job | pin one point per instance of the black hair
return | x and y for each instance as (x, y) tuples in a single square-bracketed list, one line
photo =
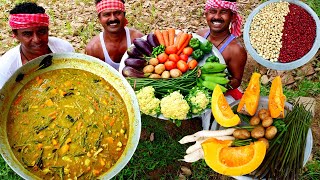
[(27, 8), (97, 1), (231, 0)]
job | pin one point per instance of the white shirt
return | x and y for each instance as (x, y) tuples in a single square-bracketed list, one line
[(11, 60)]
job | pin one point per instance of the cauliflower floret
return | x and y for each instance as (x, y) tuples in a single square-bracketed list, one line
[(174, 106), (198, 100), (148, 103)]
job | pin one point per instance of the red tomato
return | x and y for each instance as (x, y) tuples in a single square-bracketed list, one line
[(171, 49), (163, 57), (192, 64), (170, 65), (187, 51), (182, 66), (174, 57), (184, 57)]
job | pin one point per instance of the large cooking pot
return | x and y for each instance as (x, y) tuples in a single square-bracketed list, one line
[(60, 61)]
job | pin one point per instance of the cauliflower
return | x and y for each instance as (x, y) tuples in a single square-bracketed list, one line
[(198, 99), (174, 106), (148, 103)]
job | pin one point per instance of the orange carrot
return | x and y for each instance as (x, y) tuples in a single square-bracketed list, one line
[(165, 37), (172, 33), (183, 38), (185, 44), (178, 38), (159, 36)]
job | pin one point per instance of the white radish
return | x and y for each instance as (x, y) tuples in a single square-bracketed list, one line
[(206, 133), (194, 156)]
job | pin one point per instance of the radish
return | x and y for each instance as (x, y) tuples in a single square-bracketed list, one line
[(206, 133)]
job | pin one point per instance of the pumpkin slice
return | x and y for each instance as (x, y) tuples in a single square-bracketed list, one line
[(233, 161), (221, 110), (277, 99), (250, 100)]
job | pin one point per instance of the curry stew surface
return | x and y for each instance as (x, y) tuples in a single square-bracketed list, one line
[(68, 124)]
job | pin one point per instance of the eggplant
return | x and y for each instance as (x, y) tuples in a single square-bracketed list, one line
[(128, 71), (133, 52), (153, 40), (143, 46), (135, 62)]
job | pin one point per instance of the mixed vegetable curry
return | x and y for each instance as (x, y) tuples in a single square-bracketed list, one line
[(68, 123)]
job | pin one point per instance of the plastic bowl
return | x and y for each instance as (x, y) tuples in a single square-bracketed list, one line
[(277, 65)]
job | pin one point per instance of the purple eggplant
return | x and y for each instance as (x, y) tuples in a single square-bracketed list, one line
[(135, 62), (128, 71), (143, 46), (133, 52), (153, 40)]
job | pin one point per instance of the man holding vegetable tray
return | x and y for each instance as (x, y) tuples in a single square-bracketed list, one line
[(112, 43)]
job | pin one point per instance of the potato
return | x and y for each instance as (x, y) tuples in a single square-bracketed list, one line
[(159, 69), (241, 134), (265, 141), (148, 69), (154, 76), (271, 132), (165, 74), (263, 113), (255, 120), (258, 132), (175, 73), (267, 121), (154, 61)]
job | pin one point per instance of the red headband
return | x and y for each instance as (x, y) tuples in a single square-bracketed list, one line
[(236, 22), (22, 21), (110, 4)]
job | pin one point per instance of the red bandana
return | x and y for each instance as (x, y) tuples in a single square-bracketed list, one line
[(236, 22), (22, 21), (110, 4)]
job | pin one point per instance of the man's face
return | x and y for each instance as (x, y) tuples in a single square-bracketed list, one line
[(112, 20), (219, 19), (34, 40)]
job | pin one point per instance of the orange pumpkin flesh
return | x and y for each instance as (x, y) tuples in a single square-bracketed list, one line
[(233, 161), (221, 110), (277, 99), (250, 99)]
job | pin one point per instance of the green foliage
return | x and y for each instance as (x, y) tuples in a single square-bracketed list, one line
[(315, 5), (312, 170), (6, 172)]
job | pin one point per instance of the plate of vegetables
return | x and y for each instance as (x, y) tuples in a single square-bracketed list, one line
[(163, 68)]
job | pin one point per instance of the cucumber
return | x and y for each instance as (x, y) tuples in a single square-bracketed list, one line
[(211, 85), (215, 79), (212, 67)]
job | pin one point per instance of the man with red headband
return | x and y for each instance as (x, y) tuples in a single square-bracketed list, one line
[(112, 43), (29, 25)]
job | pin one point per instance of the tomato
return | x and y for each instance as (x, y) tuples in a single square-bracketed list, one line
[(171, 49), (192, 64), (182, 66), (174, 57), (163, 57), (187, 51), (184, 57), (170, 65)]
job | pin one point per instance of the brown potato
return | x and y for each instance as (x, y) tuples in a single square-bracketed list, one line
[(154, 61), (255, 120), (257, 132), (271, 132), (265, 141), (148, 69), (154, 76), (241, 134), (165, 74), (159, 69), (263, 113), (267, 121)]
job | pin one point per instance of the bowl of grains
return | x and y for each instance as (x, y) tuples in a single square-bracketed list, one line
[(282, 34)]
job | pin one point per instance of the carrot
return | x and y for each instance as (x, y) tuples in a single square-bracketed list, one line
[(185, 44), (178, 38), (172, 33), (165, 37), (159, 36), (182, 39)]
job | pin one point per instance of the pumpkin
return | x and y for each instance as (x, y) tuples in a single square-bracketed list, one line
[(276, 99), (233, 161), (250, 100), (221, 110)]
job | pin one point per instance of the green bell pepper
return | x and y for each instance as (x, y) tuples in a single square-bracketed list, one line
[(194, 43), (212, 58), (206, 46), (197, 54)]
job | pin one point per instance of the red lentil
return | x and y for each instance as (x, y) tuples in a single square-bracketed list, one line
[(298, 34)]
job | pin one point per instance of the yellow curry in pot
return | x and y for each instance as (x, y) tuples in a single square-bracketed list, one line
[(68, 124)]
